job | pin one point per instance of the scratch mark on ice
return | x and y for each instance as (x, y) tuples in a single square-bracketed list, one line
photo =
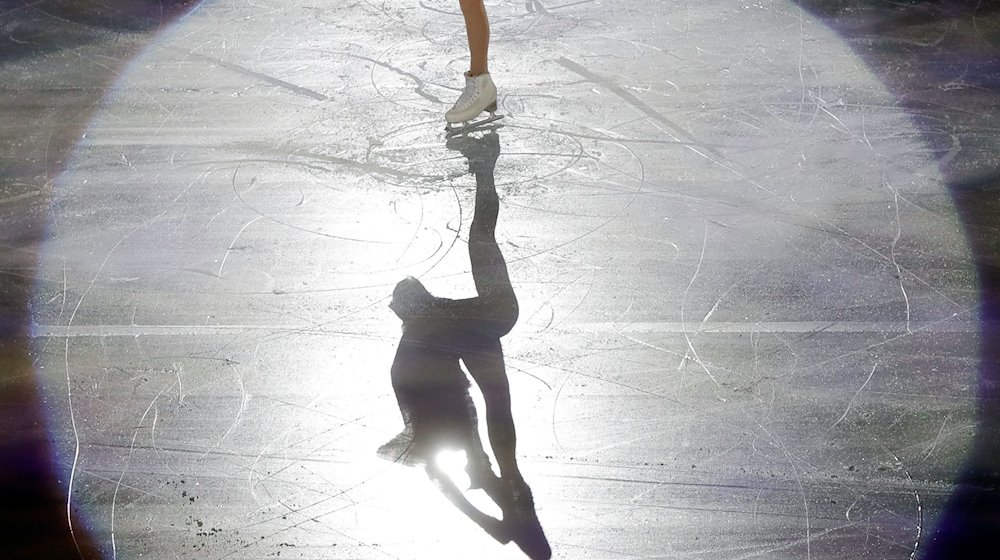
[(128, 461), (937, 439), (851, 402), (233, 243), (892, 251), (69, 391), (692, 353)]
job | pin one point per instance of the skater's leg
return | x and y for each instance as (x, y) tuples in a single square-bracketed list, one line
[(477, 29), (480, 93)]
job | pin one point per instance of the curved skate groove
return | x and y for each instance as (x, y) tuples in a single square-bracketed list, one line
[(624, 141), (565, 380), (573, 158), (176, 369), (916, 495), (387, 14), (433, 254), (423, 4), (635, 195), (690, 344), (407, 180), (253, 476), (454, 238), (417, 228), (76, 450), (942, 435), (583, 298), (714, 155), (128, 462), (892, 249), (66, 353), (437, 250), (244, 398), (525, 372), (233, 244), (573, 372), (327, 497), (270, 217), (548, 306), (791, 459), (854, 398), (890, 259)]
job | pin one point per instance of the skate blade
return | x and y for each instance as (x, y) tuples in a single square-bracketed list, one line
[(451, 131)]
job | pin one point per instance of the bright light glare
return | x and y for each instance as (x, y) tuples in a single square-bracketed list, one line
[(452, 464)]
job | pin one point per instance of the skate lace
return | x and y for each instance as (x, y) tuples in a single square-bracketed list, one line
[(468, 94)]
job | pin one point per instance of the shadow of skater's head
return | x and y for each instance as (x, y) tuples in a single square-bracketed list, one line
[(410, 298), (481, 151)]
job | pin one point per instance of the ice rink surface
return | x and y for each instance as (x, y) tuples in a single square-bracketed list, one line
[(754, 245)]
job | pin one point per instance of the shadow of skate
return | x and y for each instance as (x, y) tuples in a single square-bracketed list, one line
[(431, 388), (520, 527)]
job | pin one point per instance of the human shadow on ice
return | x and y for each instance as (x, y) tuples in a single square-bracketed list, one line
[(432, 390)]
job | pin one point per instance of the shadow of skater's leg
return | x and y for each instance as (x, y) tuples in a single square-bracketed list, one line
[(494, 311), (486, 366), (493, 526), (478, 462), (489, 269)]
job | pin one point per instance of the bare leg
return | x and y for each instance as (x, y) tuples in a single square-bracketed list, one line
[(477, 29)]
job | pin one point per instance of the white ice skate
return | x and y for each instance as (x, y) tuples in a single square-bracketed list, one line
[(479, 95)]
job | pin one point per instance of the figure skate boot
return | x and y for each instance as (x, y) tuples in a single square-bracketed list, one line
[(480, 94)]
